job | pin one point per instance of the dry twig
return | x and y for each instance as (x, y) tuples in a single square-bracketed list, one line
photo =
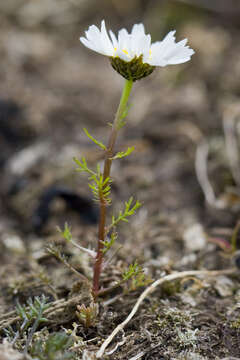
[(202, 174), (231, 142), (52, 312), (148, 291)]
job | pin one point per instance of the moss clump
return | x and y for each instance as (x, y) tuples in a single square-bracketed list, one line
[(170, 288)]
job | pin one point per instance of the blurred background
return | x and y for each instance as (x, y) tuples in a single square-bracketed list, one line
[(51, 86), (183, 122)]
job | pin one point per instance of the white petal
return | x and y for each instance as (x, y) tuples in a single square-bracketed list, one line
[(168, 52), (106, 42), (93, 33), (123, 39), (93, 36), (140, 42), (166, 43), (179, 53), (146, 44), (170, 35), (124, 45), (122, 55), (137, 43), (98, 40), (138, 29), (88, 44), (114, 39)]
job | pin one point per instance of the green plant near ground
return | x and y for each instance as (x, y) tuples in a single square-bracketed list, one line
[(31, 316), (133, 57), (53, 347), (100, 183), (87, 315), (56, 347)]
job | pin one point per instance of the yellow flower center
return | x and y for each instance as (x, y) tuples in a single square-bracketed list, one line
[(150, 53)]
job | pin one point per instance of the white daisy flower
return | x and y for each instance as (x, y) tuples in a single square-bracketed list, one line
[(132, 54)]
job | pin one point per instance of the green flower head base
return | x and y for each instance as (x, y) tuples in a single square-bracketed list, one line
[(132, 70), (131, 54)]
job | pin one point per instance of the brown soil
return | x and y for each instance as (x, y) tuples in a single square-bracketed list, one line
[(51, 87)]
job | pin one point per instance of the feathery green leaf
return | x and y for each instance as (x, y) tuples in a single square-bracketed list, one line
[(101, 145), (122, 154)]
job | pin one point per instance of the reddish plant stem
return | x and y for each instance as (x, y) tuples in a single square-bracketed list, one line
[(106, 174)]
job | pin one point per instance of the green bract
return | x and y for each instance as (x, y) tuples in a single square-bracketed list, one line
[(132, 70)]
